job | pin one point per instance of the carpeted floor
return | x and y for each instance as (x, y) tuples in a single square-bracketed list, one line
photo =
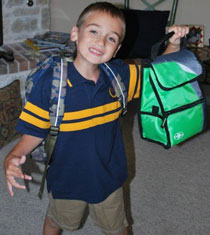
[(167, 193)]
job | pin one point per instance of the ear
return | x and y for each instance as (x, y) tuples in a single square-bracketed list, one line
[(118, 48), (74, 33)]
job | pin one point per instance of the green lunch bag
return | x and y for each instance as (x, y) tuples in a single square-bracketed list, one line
[(172, 106)]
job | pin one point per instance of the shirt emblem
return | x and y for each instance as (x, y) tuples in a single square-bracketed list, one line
[(112, 92)]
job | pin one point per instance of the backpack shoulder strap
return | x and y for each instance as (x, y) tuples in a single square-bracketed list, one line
[(57, 107), (117, 84), (58, 91), (37, 73)]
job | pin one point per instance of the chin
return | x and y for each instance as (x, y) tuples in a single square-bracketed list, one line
[(96, 61)]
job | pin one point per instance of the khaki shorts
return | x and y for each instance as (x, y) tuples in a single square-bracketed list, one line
[(108, 215)]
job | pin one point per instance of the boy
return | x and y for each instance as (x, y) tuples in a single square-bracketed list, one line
[(89, 163)]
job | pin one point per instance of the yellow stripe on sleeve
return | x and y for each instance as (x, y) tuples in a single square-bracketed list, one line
[(89, 123), (139, 83), (34, 121), (36, 110), (133, 79), (92, 111)]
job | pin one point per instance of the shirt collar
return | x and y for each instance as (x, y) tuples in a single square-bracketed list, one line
[(76, 78)]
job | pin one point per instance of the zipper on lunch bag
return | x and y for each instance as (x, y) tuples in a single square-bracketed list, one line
[(184, 107)]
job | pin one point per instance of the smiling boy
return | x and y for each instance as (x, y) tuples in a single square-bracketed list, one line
[(89, 162)]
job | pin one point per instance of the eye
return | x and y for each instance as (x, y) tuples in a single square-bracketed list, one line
[(113, 39), (92, 31)]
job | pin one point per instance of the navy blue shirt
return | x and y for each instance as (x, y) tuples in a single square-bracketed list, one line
[(89, 161)]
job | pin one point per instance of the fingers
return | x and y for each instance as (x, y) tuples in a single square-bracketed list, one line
[(180, 30), (13, 171), (11, 182), (14, 183), (9, 186), (27, 177)]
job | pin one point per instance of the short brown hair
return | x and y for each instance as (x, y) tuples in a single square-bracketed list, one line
[(106, 7)]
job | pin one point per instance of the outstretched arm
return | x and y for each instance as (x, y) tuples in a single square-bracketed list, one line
[(17, 157), (174, 41)]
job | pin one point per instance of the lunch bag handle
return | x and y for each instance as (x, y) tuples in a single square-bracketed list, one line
[(156, 47)]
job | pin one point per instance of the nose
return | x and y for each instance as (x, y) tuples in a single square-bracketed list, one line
[(101, 41)]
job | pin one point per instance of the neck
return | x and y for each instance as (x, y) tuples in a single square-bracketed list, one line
[(88, 71)]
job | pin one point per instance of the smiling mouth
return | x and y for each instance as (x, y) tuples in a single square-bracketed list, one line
[(95, 51)]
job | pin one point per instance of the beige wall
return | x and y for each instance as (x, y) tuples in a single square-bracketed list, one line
[(64, 13)]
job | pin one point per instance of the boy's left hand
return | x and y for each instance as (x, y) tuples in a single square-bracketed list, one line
[(180, 31)]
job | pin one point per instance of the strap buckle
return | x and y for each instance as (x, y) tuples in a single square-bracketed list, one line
[(54, 130)]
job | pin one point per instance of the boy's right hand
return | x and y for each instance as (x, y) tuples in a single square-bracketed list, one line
[(12, 171), (15, 158)]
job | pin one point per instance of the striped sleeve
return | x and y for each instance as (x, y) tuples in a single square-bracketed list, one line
[(134, 81), (36, 116), (34, 119)]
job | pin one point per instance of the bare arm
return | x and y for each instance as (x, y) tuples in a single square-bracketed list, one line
[(15, 158), (174, 41)]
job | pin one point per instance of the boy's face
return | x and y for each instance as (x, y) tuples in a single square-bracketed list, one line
[(98, 38)]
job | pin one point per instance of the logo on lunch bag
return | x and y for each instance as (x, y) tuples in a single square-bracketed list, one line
[(179, 135)]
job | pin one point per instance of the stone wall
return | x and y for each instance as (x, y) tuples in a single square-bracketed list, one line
[(21, 21)]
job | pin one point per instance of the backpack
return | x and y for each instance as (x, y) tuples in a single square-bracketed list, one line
[(172, 106), (59, 64)]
